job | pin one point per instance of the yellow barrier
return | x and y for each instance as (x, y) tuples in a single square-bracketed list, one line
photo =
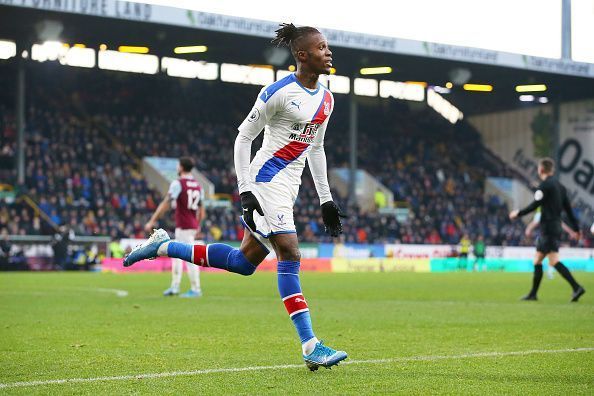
[(380, 265)]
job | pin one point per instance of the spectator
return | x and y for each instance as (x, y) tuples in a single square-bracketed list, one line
[(60, 245)]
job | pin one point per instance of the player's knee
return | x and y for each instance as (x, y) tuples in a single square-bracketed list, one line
[(254, 253), (240, 263), (247, 271)]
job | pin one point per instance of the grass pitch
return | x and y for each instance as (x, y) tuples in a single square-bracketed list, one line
[(455, 333)]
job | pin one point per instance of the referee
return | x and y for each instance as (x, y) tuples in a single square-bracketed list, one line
[(551, 196)]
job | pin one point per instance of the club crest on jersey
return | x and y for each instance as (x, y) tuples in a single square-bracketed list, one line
[(254, 115), (281, 219)]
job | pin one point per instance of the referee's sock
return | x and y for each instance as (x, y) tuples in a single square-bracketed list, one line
[(562, 269), (536, 279)]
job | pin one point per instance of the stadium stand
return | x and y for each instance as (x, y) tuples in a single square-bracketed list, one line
[(87, 130)]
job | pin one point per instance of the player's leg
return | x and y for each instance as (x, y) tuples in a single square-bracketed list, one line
[(241, 261), (463, 262), (536, 277), (550, 271), (315, 353), (193, 270), (578, 290), (177, 268), (217, 255)]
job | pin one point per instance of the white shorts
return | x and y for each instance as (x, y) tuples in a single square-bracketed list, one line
[(277, 203), (186, 236)]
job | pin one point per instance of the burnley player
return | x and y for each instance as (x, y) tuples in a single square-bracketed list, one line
[(294, 114), (186, 196), (551, 196)]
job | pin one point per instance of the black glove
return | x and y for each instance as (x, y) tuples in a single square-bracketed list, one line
[(331, 215), (249, 203)]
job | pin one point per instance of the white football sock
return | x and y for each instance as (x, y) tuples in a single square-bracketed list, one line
[(177, 269), (162, 251), (550, 271), (309, 345), (194, 275)]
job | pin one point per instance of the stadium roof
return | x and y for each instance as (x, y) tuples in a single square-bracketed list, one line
[(448, 63)]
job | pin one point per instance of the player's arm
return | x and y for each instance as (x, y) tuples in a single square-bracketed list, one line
[(264, 109), (161, 210), (538, 197), (316, 160), (533, 224), (175, 189), (201, 213), (573, 223), (567, 229)]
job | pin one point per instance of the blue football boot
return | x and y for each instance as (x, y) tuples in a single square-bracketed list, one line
[(323, 356), (191, 294), (171, 292), (147, 250)]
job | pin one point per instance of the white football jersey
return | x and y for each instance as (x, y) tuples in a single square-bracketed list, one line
[(294, 119)]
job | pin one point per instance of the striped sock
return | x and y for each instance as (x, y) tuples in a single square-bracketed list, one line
[(219, 255), (290, 291), (216, 255)]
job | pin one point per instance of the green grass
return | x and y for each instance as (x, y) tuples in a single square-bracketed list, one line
[(60, 325)]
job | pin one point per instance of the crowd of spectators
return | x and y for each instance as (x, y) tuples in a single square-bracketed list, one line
[(7, 145), (85, 130)]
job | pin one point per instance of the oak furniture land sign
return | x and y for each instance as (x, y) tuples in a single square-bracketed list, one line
[(576, 157), (129, 10), (521, 137)]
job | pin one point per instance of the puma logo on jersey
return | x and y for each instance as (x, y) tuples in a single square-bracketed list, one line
[(297, 300), (296, 104)]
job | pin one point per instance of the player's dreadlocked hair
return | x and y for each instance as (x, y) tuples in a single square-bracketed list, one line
[(290, 35)]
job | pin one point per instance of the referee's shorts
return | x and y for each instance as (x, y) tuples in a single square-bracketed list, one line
[(547, 243)]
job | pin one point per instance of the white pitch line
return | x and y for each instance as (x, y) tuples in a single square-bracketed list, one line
[(118, 292), (287, 366)]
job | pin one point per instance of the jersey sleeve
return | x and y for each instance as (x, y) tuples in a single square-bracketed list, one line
[(539, 195), (175, 188), (266, 106), (321, 133), (264, 109), (316, 160), (202, 195)]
